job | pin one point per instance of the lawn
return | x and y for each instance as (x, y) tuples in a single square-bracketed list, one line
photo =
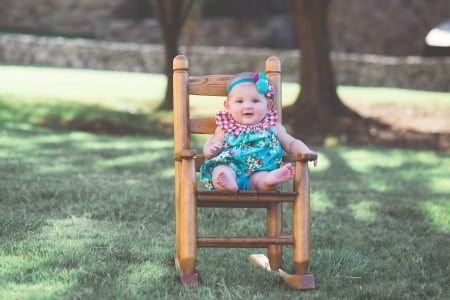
[(86, 215)]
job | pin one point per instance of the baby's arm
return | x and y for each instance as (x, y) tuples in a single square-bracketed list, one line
[(290, 144), (214, 145)]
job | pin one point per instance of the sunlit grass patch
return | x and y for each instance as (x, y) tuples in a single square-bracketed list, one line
[(389, 95), (117, 90), (365, 210), (42, 290), (321, 202), (146, 273), (365, 160), (440, 184), (438, 213), (323, 163)]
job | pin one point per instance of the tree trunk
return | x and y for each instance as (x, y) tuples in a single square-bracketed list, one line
[(170, 51), (171, 15), (318, 107), (318, 111)]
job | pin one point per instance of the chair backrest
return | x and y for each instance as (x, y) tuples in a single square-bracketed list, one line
[(208, 85)]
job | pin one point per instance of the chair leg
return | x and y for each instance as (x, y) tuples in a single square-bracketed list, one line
[(186, 227), (301, 228), (274, 229)]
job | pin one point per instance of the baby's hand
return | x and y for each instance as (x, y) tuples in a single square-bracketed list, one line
[(214, 149)]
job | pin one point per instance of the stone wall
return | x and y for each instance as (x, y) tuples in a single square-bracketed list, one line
[(361, 70), (59, 16), (387, 27)]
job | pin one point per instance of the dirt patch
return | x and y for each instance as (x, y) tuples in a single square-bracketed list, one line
[(424, 126), (434, 119)]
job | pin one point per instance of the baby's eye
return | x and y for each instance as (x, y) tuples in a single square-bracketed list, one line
[(240, 101), (255, 100)]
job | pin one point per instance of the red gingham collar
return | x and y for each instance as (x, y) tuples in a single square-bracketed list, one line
[(226, 122)]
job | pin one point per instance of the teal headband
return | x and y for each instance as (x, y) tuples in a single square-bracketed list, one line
[(261, 81), (242, 80)]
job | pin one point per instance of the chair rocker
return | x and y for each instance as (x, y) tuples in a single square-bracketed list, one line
[(188, 198)]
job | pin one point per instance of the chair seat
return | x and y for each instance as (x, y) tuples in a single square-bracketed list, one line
[(243, 199)]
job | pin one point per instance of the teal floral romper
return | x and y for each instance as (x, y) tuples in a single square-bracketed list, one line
[(247, 150)]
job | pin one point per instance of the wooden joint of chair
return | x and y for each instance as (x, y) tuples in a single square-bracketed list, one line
[(185, 154), (300, 157)]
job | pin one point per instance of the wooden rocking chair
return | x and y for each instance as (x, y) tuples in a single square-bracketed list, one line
[(188, 198)]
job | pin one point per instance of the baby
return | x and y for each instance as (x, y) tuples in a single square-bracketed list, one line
[(245, 152)]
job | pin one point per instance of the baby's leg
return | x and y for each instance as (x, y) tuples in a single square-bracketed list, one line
[(269, 181), (224, 179)]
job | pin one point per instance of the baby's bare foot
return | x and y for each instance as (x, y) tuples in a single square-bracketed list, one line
[(272, 179), (280, 175), (224, 181)]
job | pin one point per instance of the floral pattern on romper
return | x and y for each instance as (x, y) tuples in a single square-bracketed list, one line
[(247, 150)]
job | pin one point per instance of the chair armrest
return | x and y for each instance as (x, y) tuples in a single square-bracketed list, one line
[(185, 154), (300, 157)]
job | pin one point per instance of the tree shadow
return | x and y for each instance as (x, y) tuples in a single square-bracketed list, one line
[(350, 128), (91, 228), (375, 227), (88, 118)]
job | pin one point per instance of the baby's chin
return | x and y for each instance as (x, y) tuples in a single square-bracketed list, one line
[(249, 120)]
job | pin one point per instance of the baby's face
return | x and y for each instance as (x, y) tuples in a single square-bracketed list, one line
[(246, 105)]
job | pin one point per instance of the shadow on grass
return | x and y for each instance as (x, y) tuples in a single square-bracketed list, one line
[(89, 118), (84, 214), (372, 226)]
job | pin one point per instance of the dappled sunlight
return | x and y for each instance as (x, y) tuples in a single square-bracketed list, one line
[(101, 87), (364, 161), (379, 184), (61, 165), (143, 158), (58, 153), (323, 163), (87, 214), (321, 202), (440, 184), (437, 212), (15, 142), (52, 261), (166, 173), (73, 234), (41, 290), (144, 274), (365, 210), (430, 158), (48, 260), (353, 95), (376, 184), (126, 144)]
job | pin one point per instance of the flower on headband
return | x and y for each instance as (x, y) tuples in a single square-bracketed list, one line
[(263, 84)]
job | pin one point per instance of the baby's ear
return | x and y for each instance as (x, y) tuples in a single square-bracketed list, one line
[(270, 104), (226, 104)]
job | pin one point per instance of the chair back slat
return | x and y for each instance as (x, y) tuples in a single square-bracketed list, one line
[(211, 85), (205, 125)]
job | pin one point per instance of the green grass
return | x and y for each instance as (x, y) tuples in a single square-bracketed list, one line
[(91, 216)]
